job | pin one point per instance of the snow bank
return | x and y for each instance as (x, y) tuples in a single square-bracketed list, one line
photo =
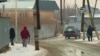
[(19, 50), (95, 41)]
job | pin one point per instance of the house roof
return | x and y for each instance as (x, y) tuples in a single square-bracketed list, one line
[(47, 5), (29, 5), (20, 4)]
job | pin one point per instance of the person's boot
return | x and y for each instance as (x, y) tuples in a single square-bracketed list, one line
[(12, 43), (88, 38), (91, 39)]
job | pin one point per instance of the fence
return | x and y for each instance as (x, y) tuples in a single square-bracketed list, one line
[(45, 31), (4, 31)]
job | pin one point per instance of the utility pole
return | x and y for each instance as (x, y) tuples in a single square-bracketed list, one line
[(75, 11), (16, 14), (64, 5), (62, 24), (82, 21), (36, 25), (91, 18), (61, 12), (64, 11), (3, 9)]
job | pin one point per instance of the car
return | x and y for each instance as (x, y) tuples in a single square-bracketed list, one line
[(70, 31)]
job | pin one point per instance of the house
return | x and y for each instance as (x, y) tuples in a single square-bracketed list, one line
[(76, 20), (25, 16), (25, 11)]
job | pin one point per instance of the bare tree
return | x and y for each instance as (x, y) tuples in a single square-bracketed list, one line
[(68, 11)]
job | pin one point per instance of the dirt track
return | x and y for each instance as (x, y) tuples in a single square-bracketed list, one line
[(69, 48)]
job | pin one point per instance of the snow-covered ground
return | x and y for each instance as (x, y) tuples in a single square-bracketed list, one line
[(19, 50), (95, 40), (70, 51)]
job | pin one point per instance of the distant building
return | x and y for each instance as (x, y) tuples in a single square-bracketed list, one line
[(25, 11), (25, 16), (76, 20)]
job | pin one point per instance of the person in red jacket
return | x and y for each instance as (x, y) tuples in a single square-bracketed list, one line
[(25, 36)]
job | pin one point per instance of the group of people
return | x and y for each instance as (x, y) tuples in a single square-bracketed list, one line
[(25, 36)]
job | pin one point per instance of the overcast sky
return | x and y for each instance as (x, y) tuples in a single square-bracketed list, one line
[(71, 3)]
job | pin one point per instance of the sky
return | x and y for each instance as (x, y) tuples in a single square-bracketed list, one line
[(71, 3)]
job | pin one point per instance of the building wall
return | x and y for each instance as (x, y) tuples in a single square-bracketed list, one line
[(26, 17)]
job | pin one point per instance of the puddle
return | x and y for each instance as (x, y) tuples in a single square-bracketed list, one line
[(73, 52)]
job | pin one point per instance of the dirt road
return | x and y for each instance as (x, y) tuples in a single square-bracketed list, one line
[(69, 48)]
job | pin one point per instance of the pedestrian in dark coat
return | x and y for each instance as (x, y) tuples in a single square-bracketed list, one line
[(12, 35), (25, 36), (89, 32)]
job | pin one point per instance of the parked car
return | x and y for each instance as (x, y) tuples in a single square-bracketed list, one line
[(70, 31)]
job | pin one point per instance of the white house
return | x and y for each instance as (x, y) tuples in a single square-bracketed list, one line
[(76, 20)]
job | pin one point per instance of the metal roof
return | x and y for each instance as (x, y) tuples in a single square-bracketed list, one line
[(20, 4), (44, 5), (47, 5)]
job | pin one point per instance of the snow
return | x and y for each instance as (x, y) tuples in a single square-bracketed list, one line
[(95, 41), (72, 51), (19, 50)]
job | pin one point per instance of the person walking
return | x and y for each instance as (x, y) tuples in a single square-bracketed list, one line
[(89, 32), (12, 35), (25, 36)]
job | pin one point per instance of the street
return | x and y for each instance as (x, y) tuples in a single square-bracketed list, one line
[(62, 47), (42, 24)]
